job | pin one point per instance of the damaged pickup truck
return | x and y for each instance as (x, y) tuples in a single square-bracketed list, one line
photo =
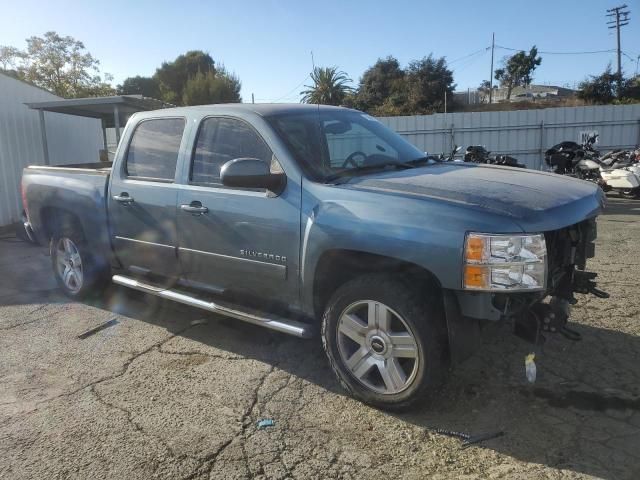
[(313, 219)]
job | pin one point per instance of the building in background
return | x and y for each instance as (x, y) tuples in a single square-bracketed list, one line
[(530, 93), (70, 140), (39, 128)]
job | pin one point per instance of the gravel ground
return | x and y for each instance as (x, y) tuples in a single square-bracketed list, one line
[(167, 392)]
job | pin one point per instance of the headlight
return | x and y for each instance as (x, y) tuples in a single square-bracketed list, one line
[(504, 262)]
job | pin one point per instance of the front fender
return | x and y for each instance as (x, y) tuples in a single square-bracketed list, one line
[(429, 234)]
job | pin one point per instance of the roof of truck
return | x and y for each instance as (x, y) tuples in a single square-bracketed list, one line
[(265, 109)]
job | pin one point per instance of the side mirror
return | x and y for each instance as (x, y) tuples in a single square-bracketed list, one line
[(251, 173)]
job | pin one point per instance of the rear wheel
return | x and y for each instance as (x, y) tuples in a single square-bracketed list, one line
[(384, 341), (68, 265), (77, 271), (630, 192)]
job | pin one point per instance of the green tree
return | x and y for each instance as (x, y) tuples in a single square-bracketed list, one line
[(212, 87), (631, 89), (330, 86), (600, 89), (173, 76), (428, 80), (518, 69), (9, 57), (484, 89), (609, 88), (382, 87), (146, 86), (63, 66)]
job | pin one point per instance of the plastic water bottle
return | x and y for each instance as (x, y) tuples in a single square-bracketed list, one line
[(530, 367)]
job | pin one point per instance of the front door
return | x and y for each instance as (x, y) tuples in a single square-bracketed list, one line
[(237, 239), (143, 196)]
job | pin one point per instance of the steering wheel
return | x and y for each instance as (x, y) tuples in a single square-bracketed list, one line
[(350, 159)]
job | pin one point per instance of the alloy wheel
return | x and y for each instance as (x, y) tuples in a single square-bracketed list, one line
[(378, 347), (69, 264)]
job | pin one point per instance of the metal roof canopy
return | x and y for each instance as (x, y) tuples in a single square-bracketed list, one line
[(112, 111)]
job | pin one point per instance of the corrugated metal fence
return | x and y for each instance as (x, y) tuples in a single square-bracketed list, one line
[(525, 134), (71, 140)]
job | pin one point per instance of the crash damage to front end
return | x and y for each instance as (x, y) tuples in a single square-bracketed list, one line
[(568, 250), (532, 315)]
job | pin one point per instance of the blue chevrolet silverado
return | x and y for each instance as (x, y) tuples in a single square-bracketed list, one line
[(313, 219)]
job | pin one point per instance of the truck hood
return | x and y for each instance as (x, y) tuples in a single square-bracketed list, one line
[(536, 201)]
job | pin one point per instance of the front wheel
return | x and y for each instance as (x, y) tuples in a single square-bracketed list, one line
[(385, 341)]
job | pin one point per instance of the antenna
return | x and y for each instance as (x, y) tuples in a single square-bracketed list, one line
[(313, 66), (327, 161)]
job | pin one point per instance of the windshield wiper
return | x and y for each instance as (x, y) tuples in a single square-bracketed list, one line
[(426, 159), (348, 173)]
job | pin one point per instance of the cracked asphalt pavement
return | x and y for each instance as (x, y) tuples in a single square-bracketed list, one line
[(172, 392)]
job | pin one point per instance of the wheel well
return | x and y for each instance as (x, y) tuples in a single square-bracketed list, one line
[(55, 219), (336, 267)]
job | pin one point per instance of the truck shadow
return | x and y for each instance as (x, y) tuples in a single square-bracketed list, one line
[(581, 415)]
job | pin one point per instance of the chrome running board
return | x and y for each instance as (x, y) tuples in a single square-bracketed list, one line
[(279, 324)]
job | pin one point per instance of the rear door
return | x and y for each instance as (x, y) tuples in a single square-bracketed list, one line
[(237, 239), (143, 196)]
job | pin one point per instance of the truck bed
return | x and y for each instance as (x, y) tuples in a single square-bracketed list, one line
[(75, 190), (97, 167)]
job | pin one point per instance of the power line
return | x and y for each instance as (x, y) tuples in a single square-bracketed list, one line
[(482, 50), (290, 92), (470, 61), (557, 53)]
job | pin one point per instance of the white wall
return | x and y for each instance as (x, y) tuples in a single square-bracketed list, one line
[(71, 140), (525, 134)]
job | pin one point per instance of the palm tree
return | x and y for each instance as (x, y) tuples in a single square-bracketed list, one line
[(329, 86)]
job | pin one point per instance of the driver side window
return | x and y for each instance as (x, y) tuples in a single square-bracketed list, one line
[(221, 139), (357, 139)]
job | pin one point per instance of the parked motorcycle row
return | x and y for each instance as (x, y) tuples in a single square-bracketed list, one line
[(479, 154), (618, 170)]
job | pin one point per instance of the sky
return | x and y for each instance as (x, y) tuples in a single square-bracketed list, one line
[(268, 43)]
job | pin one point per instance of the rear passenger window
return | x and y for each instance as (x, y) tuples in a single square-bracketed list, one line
[(223, 139), (153, 151)]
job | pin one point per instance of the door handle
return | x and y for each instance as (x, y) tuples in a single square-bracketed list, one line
[(123, 198), (195, 208)]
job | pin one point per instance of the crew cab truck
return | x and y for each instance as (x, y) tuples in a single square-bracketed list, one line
[(315, 219)]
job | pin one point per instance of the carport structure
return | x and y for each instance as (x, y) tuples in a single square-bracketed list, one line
[(113, 112)]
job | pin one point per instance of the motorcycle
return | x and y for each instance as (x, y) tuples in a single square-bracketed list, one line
[(584, 162), (628, 159), (442, 158), (479, 154), (616, 170)]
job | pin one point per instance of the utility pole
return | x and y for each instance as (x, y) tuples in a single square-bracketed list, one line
[(619, 18), (493, 45)]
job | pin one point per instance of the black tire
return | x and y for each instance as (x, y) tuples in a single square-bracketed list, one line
[(95, 271), (421, 312), (630, 193)]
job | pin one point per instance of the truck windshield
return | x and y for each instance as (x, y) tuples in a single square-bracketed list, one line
[(329, 144)]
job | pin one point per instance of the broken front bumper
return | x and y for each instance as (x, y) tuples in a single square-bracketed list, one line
[(568, 250)]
